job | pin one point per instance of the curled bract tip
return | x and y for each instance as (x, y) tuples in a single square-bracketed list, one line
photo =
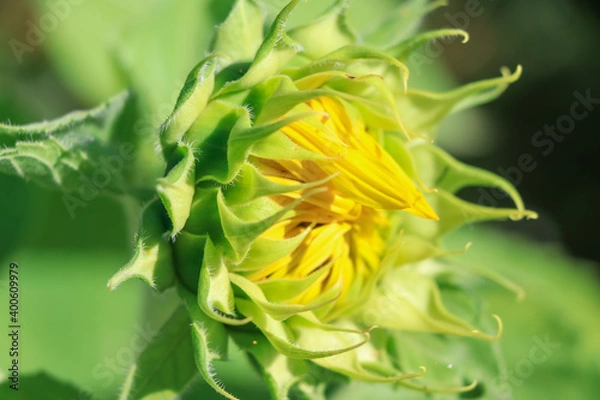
[(523, 214), (500, 327), (467, 388), (513, 76), (427, 389)]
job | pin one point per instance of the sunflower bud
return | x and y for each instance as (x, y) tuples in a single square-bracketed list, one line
[(305, 198)]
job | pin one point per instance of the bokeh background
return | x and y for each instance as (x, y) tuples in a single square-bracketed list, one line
[(78, 332)]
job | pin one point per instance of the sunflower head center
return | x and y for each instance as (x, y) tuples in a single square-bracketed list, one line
[(337, 205)]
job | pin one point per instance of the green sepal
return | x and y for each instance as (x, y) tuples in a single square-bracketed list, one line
[(225, 151), (243, 224), (285, 289), (327, 33), (469, 360), (287, 97), (402, 23), (210, 135), (441, 177), (267, 251), (274, 53), (363, 364), (302, 336), (215, 294), (409, 300), (440, 170), (400, 152), (455, 212), (276, 310), (357, 61), (422, 110), (191, 102), (474, 271), (279, 146), (204, 219), (403, 50), (250, 185), (176, 190), (188, 251), (152, 260), (209, 340), (414, 249), (233, 228), (241, 34), (224, 136)]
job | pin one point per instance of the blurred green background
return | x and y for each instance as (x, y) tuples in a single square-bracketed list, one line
[(78, 332)]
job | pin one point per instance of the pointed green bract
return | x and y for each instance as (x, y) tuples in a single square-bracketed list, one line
[(240, 36), (152, 261), (299, 337), (410, 301), (176, 190), (403, 50), (276, 310), (215, 294), (276, 50), (209, 340), (422, 111), (192, 100), (326, 34), (402, 22)]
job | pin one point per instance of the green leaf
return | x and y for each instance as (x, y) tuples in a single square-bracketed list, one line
[(70, 152), (166, 365), (41, 386), (241, 35), (152, 261)]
